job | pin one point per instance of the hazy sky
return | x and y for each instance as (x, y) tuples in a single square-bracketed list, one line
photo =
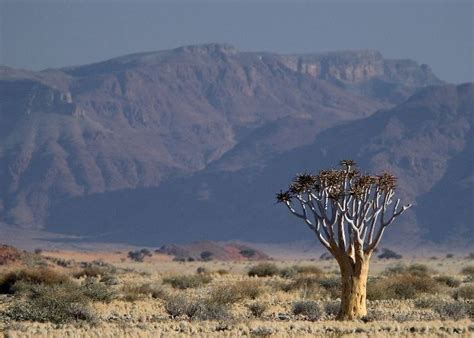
[(39, 34)]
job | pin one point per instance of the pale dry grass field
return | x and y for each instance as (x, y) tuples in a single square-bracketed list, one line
[(105, 294)]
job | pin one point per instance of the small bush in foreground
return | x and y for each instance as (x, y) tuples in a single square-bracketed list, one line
[(454, 310), (187, 281), (448, 281), (308, 308), (96, 291), (464, 292), (56, 303), (401, 287), (264, 270), (257, 309), (229, 294), (200, 309)]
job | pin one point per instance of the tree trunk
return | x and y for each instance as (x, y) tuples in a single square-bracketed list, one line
[(354, 287)]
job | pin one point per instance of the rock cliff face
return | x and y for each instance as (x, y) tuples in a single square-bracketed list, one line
[(143, 121)]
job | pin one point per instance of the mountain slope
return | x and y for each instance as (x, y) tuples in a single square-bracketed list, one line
[(138, 121), (426, 141)]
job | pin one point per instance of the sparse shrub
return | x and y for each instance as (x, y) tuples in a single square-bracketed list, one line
[(453, 310), (247, 253), (308, 308), (375, 316), (257, 309), (308, 285), (206, 256), (401, 287), (91, 271), (56, 303), (110, 280), (464, 292), (187, 281), (389, 254), (229, 294), (261, 331), (97, 291), (177, 306), (468, 270), (325, 256), (417, 270), (32, 276), (288, 272), (427, 302), (395, 270), (38, 251), (139, 255), (133, 293), (201, 270), (264, 270), (448, 281), (449, 255), (332, 308), (332, 286), (204, 310), (222, 272)]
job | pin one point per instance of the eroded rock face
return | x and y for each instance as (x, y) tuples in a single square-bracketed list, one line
[(140, 120)]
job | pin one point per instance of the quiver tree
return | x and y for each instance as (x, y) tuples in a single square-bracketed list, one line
[(349, 212)]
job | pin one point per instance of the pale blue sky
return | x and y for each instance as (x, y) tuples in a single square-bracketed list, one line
[(38, 34)]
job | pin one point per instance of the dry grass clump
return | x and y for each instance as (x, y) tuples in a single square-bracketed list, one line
[(187, 281), (264, 270), (292, 271), (91, 271), (308, 308), (262, 331), (332, 286), (133, 293), (464, 292), (404, 286), (32, 276), (180, 306), (257, 309), (448, 281), (232, 293), (414, 269)]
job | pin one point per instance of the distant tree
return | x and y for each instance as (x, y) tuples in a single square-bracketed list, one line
[(139, 255), (247, 253), (349, 212), (206, 255), (389, 254)]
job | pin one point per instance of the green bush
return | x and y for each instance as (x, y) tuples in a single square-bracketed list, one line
[(56, 303), (96, 291), (264, 270), (310, 309), (187, 281)]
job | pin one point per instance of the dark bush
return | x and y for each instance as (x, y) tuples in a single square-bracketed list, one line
[(32, 276), (139, 255), (187, 281), (468, 270), (206, 256), (310, 309), (201, 270), (264, 270), (247, 253), (257, 309), (325, 256), (332, 286), (389, 254)]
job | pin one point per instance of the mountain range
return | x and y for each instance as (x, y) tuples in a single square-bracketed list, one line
[(192, 143)]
